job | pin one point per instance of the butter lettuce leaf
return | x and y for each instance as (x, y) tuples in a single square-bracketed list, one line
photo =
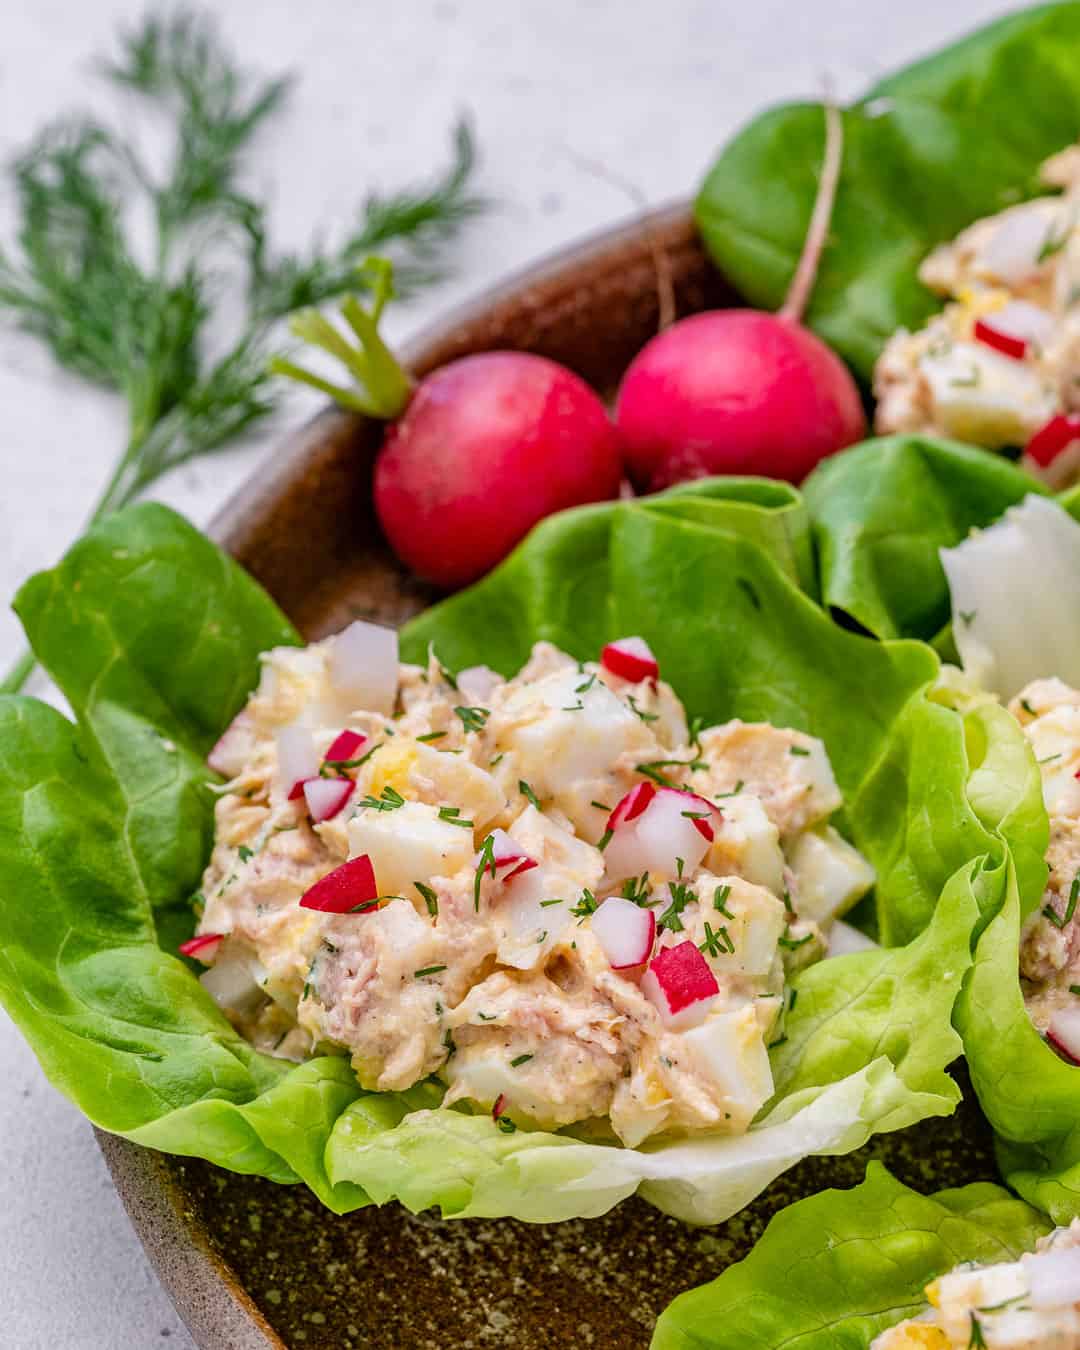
[(926, 152), (841, 1267), (106, 823)]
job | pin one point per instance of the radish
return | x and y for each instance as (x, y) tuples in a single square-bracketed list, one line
[(507, 857), (739, 391), (478, 683), (344, 747), (1053, 453), (1063, 1034), (348, 889), (680, 985), (630, 659), (625, 931), (297, 758), (200, 945), (364, 666), (235, 747), (1053, 1277), (658, 830), (327, 796), (1014, 328), (480, 450)]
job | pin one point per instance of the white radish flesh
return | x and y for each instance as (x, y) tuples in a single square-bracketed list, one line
[(297, 757), (625, 931), (1053, 1277), (327, 796), (844, 939), (1064, 1033), (1007, 583), (477, 683), (664, 834), (364, 667)]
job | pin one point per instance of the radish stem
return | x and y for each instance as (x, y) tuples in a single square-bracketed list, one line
[(802, 284)]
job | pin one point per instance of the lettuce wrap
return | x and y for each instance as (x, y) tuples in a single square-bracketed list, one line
[(881, 512), (839, 1268), (105, 824)]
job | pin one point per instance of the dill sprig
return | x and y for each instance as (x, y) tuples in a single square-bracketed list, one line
[(134, 319)]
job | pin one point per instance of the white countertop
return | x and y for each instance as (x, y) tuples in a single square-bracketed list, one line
[(650, 87)]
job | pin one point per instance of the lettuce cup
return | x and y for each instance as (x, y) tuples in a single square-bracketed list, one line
[(818, 759)]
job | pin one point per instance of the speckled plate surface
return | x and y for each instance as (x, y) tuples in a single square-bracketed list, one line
[(251, 1265)]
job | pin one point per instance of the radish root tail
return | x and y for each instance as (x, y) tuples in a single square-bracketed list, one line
[(802, 284)]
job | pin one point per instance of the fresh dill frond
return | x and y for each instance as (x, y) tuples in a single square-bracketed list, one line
[(134, 318)]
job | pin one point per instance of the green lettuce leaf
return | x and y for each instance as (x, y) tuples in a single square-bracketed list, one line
[(926, 152), (839, 1268), (106, 822)]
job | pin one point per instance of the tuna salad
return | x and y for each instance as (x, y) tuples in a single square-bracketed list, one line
[(1030, 1304), (1000, 365), (548, 891), (1049, 712)]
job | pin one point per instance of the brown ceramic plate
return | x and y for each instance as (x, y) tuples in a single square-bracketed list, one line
[(251, 1265)]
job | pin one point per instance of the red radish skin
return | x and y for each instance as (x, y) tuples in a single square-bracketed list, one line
[(739, 391), (505, 854), (347, 889), (735, 391), (344, 747), (1006, 343), (1053, 453), (326, 797), (200, 946), (630, 806), (630, 659), (680, 984), (488, 446)]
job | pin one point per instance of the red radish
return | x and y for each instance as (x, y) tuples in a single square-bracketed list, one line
[(1053, 453), (625, 931), (499, 1107), (1063, 1034), (327, 796), (1016, 248), (364, 666), (297, 759), (488, 446), (233, 751), (673, 828), (740, 391), (631, 659), (480, 450), (344, 747), (347, 889), (1014, 328), (630, 806), (506, 853), (201, 945), (680, 986), (1002, 342)]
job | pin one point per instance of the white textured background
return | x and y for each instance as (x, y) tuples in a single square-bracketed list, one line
[(647, 86)]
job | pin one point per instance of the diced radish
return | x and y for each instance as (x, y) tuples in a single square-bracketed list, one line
[(625, 931), (344, 747), (844, 939), (1063, 1033), (234, 981), (499, 1107), (631, 805), (364, 666), (204, 943), (345, 889), (297, 758), (510, 858), (1050, 440), (233, 750), (1053, 1277), (476, 683), (671, 826), (680, 985), (1015, 328), (631, 659), (327, 796), (1012, 252)]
